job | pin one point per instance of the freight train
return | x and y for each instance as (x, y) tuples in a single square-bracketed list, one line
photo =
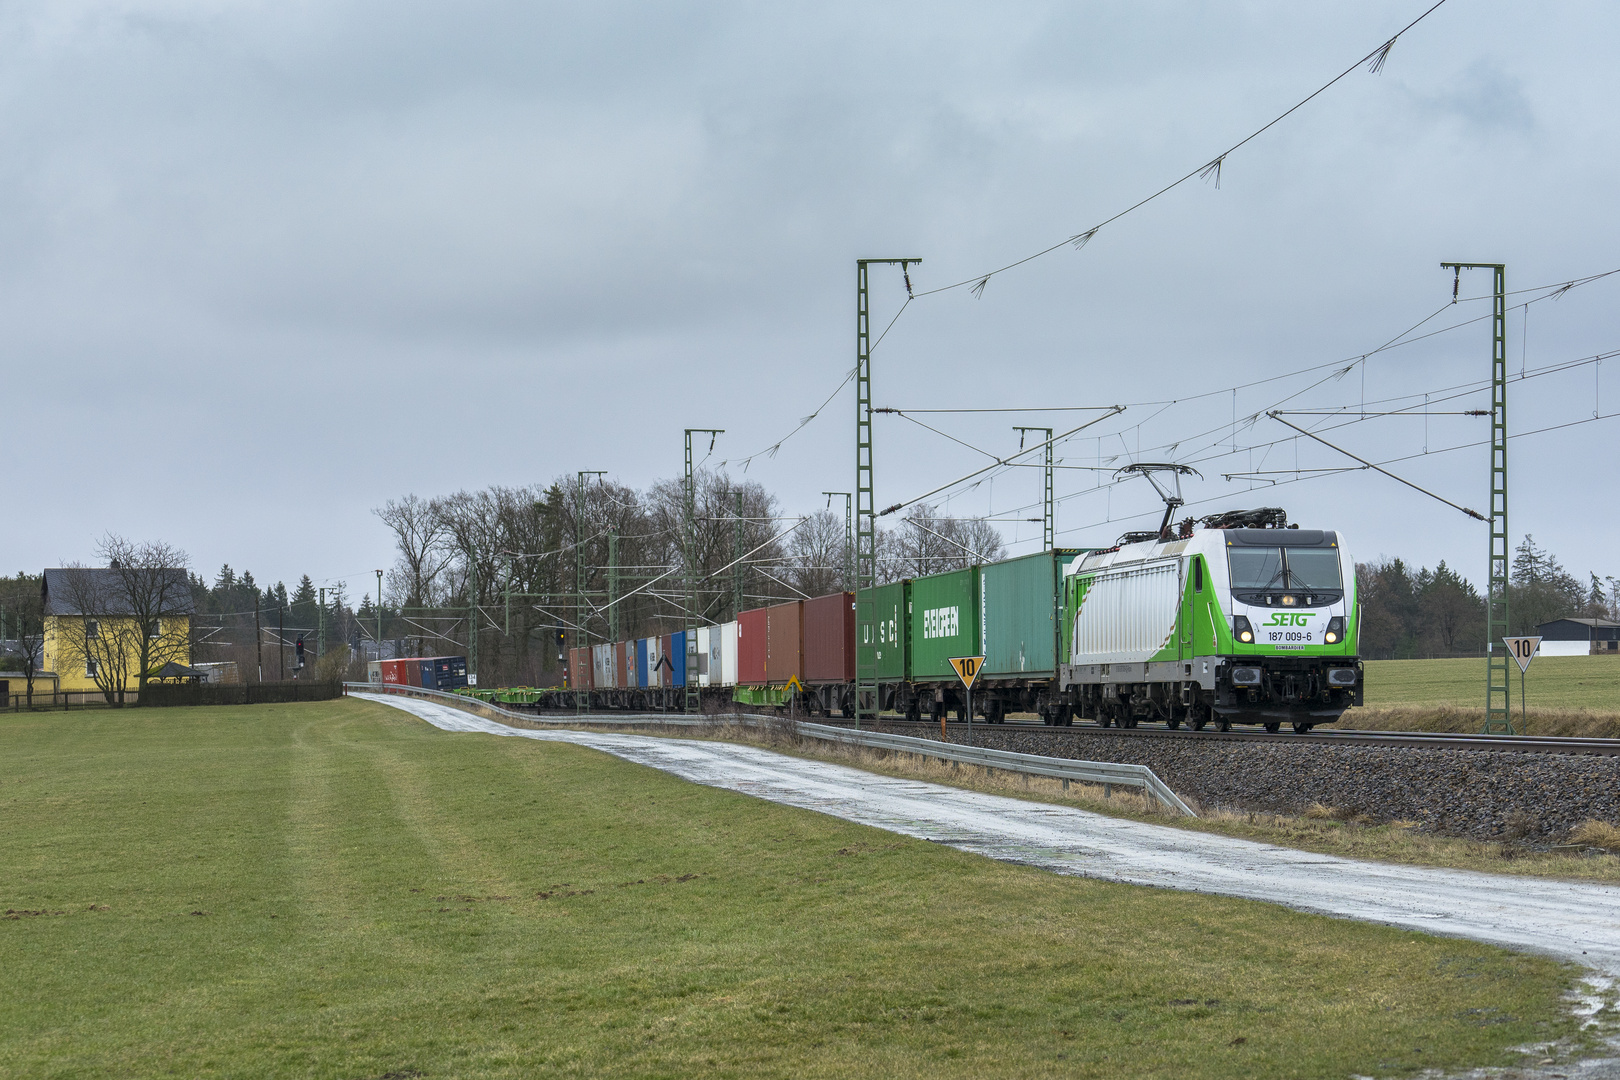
[(1221, 625)]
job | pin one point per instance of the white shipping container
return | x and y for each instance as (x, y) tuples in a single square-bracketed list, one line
[(728, 654), (655, 653), (701, 657), (602, 666)]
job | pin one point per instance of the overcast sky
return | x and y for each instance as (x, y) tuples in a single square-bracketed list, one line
[(267, 265)]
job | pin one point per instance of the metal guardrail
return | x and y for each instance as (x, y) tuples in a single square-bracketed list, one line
[(1107, 773), (1088, 772)]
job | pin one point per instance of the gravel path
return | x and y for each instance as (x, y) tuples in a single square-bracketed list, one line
[(1574, 921)]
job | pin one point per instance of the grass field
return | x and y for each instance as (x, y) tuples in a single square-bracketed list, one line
[(338, 890), (1566, 695)]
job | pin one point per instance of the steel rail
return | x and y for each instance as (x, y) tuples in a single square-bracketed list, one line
[(1431, 740)]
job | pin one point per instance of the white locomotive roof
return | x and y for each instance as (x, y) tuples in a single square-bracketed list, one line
[(1204, 541)]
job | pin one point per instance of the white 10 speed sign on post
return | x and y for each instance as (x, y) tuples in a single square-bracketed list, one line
[(1522, 649)]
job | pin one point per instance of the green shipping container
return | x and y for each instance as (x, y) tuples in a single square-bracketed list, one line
[(1018, 615), (944, 623), (880, 631)]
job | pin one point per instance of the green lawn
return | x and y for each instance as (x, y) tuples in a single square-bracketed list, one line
[(1556, 682), (338, 890)]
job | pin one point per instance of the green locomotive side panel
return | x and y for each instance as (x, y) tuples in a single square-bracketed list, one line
[(882, 644), (944, 622)]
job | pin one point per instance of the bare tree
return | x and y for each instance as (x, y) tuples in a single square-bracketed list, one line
[(124, 620), (925, 543), (24, 607), (420, 532), (816, 555)]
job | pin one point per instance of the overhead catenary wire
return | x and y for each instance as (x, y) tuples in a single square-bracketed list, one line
[(1209, 168)]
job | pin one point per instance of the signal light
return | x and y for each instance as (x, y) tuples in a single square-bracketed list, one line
[(1241, 628)]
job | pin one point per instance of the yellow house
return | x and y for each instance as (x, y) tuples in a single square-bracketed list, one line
[(104, 626)]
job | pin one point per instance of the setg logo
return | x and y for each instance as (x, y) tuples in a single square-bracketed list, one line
[(1288, 618)]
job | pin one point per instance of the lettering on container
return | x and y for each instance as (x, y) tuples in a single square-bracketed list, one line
[(941, 622)]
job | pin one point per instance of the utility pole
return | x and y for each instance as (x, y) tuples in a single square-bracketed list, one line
[(1498, 687), (694, 700), (1047, 534), (320, 626), (849, 535), (865, 509), (379, 615), (736, 556), (281, 644), (613, 585), (472, 617), (580, 640), (258, 638)]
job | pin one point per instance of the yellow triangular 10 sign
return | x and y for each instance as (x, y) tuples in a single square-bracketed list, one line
[(967, 668)]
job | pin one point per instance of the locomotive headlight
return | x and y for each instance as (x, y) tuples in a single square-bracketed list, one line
[(1335, 630), (1242, 629)]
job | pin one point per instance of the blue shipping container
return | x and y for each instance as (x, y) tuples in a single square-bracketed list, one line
[(641, 662), (676, 652), (449, 672)]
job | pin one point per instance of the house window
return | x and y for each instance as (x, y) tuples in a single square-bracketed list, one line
[(155, 629), (89, 669), (92, 628)]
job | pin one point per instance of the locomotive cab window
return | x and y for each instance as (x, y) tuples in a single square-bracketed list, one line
[(1286, 576), (1198, 574)]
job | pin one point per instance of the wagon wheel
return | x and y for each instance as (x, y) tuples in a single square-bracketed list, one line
[(1301, 729), (1274, 726), (1172, 722), (1224, 724)]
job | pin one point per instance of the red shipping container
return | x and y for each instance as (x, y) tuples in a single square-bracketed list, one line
[(752, 647), (829, 639), (784, 655), (624, 666), (579, 668), (396, 672)]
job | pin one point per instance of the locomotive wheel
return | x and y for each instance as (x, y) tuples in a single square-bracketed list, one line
[(1173, 723), (1224, 725), (1200, 723), (1273, 726)]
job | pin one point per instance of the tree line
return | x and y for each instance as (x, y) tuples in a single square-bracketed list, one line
[(1406, 614), (587, 559)]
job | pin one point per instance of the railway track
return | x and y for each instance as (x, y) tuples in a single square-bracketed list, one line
[(1429, 740)]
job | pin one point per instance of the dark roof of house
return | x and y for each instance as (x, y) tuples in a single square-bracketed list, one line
[(66, 590), (1583, 622)]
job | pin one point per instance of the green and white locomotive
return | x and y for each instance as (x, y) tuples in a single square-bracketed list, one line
[(1242, 621), (1224, 626)]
